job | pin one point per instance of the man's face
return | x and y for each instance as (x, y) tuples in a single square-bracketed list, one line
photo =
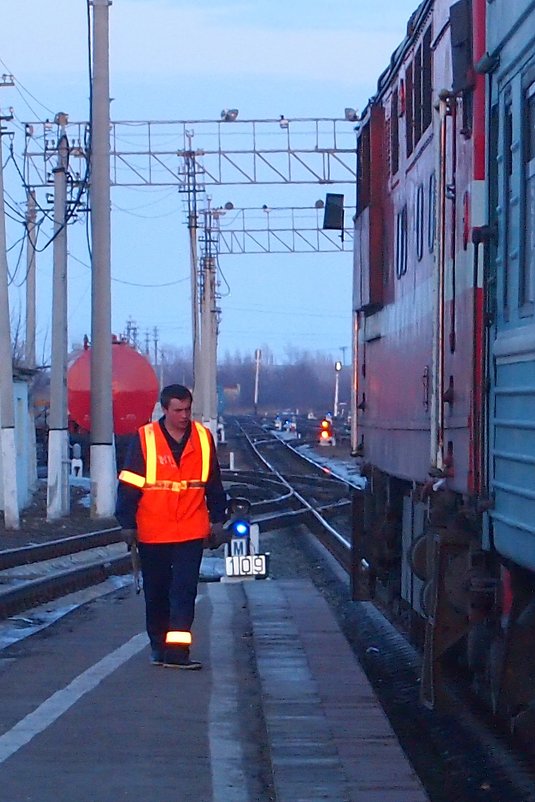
[(178, 414)]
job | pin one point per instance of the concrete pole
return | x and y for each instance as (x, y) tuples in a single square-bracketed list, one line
[(213, 324), (202, 367), (102, 454), (196, 334), (7, 408), (208, 350), (258, 357), (58, 496), (29, 344)]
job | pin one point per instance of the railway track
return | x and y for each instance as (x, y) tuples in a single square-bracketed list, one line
[(284, 489), (33, 575), (457, 752)]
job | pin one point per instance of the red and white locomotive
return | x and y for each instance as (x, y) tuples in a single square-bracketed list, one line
[(421, 344)]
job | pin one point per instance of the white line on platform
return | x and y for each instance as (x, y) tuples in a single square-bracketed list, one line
[(57, 704), (226, 757)]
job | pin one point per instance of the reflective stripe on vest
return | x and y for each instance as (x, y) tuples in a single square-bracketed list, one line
[(178, 637), (151, 457), (176, 487), (205, 450), (132, 478)]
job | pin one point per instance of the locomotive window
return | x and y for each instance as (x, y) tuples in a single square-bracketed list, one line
[(409, 123), (401, 243), (526, 287), (420, 222), (417, 104), (394, 133), (431, 212), (363, 170), (427, 74)]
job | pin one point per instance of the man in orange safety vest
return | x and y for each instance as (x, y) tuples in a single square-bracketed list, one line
[(171, 503)]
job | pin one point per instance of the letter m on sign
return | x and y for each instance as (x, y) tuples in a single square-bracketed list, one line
[(238, 547)]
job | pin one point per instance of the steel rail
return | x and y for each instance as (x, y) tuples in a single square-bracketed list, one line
[(38, 591), (338, 538)]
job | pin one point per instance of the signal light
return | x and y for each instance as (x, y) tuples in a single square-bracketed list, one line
[(240, 528), (240, 511), (326, 432)]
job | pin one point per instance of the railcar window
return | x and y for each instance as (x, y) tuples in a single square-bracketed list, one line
[(394, 132), (493, 181), (431, 212), (509, 200), (401, 243), (526, 287), (420, 222)]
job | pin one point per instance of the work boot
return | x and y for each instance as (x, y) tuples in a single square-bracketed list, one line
[(179, 658), (157, 657)]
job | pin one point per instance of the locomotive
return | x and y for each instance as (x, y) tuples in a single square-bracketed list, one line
[(443, 409)]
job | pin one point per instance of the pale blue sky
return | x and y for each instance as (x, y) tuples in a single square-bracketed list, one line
[(186, 60)]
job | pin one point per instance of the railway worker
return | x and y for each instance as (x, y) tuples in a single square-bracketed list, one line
[(171, 502)]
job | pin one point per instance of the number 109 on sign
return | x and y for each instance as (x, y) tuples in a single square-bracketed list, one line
[(246, 565)]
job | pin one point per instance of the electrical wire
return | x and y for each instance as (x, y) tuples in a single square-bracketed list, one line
[(12, 276), (144, 216), (71, 211), (133, 283), (227, 285), (18, 83)]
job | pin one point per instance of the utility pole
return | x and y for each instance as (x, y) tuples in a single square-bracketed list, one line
[(102, 454), (155, 342), (192, 189), (209, 327), (30, 359), (258, 357), (58, 497), (29, 345), (7, 407)]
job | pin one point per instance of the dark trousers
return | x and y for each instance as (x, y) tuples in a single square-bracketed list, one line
[(170, 577)]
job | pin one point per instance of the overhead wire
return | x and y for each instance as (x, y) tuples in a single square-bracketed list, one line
[(18, 83), (134, 283), (12, 275)]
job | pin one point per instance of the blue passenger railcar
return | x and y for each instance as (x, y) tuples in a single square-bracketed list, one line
[(444, 343), (510, 66)]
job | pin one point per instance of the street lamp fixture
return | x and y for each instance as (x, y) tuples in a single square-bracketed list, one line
[(229, 115), (351, 115)]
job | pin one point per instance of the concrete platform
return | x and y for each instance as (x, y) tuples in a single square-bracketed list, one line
[(281, 711)]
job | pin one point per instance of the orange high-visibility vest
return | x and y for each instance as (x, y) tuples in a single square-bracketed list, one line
[(172, 507)]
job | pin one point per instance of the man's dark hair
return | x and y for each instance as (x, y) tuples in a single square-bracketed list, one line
[(177, 391)]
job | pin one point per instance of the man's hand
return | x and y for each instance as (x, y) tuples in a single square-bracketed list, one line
[(218, 535), (129, 536)]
